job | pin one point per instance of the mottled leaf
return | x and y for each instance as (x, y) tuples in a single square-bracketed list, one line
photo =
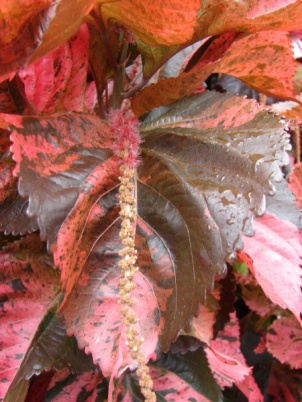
[(224, 355), (171, 89), (184, 377), (50, 349), (202, 325), (190, 215), (295, 183), (284, 384), (13, 217), (276, 253), (168, 23), (34, 28), (58, 81), (29, 285), (259, 59), (66, 387), (284, 341), (218, 16), (92, 310), (54, 155)]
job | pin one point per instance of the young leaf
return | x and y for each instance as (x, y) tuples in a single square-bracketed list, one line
[(275, 250), (284, 341), (168, 24), (29, 284)]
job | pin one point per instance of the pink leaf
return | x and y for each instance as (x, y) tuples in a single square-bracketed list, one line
[(224, 355), (284, 341), (92, 311), (275, 250), (58, 81), (202, 326), (82, 386), (28, 286)]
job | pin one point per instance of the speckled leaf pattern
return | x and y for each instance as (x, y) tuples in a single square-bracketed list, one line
[(58, 82), (73, 146), (276, 253), (284, 341), (34, 28), (224, 355), (258, 60), (169, 23), (185, 377), (218, 16), (171, 89), (66, 387), (51, 349), (221, 145), (29, 285), (284, 384), (92, 311)]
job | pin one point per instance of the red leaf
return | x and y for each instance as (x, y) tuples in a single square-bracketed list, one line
[(295, 183), (275, 250), (58, 81), (284, 341), (28, 285)]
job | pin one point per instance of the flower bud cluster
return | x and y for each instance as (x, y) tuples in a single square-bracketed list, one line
[(126, 149)]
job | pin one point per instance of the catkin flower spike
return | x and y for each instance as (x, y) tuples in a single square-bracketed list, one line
[(126, 148)]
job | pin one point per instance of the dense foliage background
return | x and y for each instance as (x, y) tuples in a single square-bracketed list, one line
[(217, 321)]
